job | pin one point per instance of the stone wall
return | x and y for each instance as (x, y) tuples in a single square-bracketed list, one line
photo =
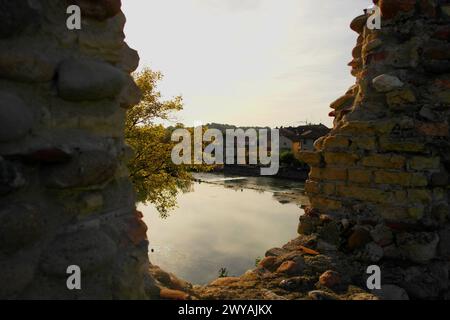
[(65, 194), (379, 183)]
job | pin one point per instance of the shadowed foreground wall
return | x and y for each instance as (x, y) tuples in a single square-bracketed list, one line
[(379, 184), (65, 194)]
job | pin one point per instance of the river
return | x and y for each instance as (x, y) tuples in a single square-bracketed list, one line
[(224, 223)]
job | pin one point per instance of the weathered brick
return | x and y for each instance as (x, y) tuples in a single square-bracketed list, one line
[(334, 174), (399, 145), (420, 196), (433, 129), (312, 187), (359, 175), (398, 98), (336, 142), (416, 213), (392, 213), (325, 203), (311, 158), (347, 159), (401, 178), (424, 163), (363, 194), (329, 189), (315, 173), (442, 33), (364, 142), (384, 161), (356, 127), (439, 194), (391, 8)]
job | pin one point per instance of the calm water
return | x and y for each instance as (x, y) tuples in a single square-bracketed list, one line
[(222, 224)]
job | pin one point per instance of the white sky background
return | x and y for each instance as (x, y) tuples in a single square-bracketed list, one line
[(247, 62)]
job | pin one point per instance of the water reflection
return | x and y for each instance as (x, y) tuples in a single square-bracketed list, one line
[(222, 224)]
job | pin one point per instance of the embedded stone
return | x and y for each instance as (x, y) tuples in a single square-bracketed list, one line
[(426, 282), (91, 202), (359, 23), (359, 238), (169, 294), (391, 292), (269, 263), (136, 231), (398, 98), (382, 235), (441, 52), (292, 267), (16, 119), (372, 45), (356, 53), (20, 225), (14, 17), (372, 252), (98, 9), (22, 65), (311, 158), (130, 59), (10, 177), (50, 155), (444, 243), (420, 247), (391, 8), (363, 297), (445, 8), (442, 33), (131, 95), (87, 169), (275, 252), (343, 102), (80, 80), (330, 279), (386, 83), (91, 250), (321, 295), (439, 129)]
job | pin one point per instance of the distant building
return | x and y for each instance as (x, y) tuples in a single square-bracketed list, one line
[(302, 138)]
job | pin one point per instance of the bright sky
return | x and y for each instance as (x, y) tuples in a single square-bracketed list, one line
[(247, 62)]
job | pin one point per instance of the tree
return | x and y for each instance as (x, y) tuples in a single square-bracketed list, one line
[(156, 179), (288, 158)]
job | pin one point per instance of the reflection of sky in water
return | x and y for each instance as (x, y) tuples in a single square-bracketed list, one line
[(216, 227)]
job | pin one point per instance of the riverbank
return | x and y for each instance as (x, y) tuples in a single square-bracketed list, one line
[(290, 173), (303, 269)]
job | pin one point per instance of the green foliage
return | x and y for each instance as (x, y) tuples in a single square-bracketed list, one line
[(156, 179), (288, 158), (223, 273)]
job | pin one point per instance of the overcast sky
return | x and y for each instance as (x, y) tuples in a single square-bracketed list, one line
[(247, 62)]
